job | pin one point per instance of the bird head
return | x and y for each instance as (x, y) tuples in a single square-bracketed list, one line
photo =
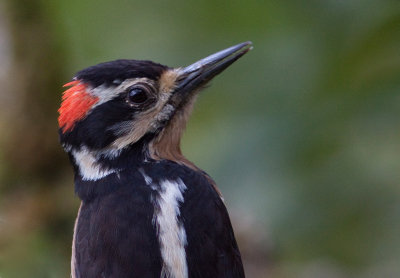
[(119, 105)]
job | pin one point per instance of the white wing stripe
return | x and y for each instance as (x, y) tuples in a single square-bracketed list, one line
[(171, 233)]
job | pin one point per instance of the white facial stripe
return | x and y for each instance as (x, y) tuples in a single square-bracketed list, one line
[(171, 233), (121, 128), (145, 122), (107, 93), (129, 132), (89, 168), (132, 131), (103, 93)]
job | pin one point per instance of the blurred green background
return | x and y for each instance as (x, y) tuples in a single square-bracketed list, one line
[(302, 135)]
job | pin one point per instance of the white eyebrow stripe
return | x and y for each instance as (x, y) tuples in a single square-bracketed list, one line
[(106, 93)]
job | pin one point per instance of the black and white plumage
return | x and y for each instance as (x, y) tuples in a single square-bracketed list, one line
[(146, 210)]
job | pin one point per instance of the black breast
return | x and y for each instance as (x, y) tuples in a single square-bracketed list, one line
[(115, 237)]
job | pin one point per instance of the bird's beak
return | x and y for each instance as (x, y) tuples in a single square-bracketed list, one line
[(198, 74)]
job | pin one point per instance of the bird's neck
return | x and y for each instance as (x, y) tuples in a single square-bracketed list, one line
[(95, 164), (100, 172)]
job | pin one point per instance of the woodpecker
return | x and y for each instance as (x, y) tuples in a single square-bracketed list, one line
[(146, 211)]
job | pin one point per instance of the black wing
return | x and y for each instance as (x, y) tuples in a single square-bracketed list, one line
[(211, 249)]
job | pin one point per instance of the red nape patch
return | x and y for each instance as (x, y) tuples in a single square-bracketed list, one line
[(76, 102)]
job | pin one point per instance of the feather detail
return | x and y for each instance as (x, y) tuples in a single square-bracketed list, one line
[(76, 103)]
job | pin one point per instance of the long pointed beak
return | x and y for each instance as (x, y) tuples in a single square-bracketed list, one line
[(198, 74)]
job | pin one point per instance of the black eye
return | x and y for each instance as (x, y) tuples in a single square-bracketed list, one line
[(137, 95)]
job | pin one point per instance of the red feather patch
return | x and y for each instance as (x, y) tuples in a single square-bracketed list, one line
[(76, 103)]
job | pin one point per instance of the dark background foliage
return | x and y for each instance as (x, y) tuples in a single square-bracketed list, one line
[(302, 134)]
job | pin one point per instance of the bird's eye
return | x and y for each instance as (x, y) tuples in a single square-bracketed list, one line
[(137, 95)]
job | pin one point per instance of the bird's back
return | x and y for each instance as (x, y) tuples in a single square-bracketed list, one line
[(159, 220)]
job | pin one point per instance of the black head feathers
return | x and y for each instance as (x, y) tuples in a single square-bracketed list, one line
[(119, 70)]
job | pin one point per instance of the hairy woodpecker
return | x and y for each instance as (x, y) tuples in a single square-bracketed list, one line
[(146, 211)]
